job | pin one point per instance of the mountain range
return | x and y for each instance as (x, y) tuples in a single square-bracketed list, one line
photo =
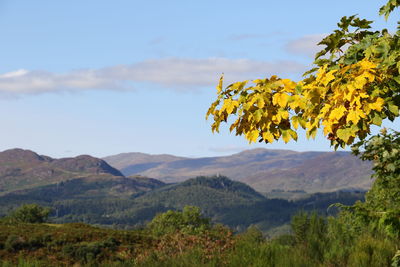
[(263, 169), (88, 189), (24, 169)]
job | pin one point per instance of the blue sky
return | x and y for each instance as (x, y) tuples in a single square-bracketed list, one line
[(105, 77)]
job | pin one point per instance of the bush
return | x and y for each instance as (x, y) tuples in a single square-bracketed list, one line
[(86, 252), (14, 243)]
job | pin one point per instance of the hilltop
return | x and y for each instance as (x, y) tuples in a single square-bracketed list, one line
[(22, 169)]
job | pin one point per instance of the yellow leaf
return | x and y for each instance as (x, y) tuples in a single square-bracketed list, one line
[(281, 99), (296, 101), (337, 113), (219, 86), (257, 115), (360, 81), (286, 136), (276, 119), (366, 64), (327, 127), (353, 117), (268, 137), (302, 123), (229, 105), (311, 133), (252, 136), (328, 77), (289, 85), (283, 114), (321, 72), (325, 109), (260, 102), (295, 122), (377, 105), (293, 134)]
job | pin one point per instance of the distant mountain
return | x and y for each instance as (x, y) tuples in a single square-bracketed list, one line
[(326, 172), (22, 169), (134, 163), (263, 169)]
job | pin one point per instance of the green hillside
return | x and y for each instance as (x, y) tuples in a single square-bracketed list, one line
[(127, 202)]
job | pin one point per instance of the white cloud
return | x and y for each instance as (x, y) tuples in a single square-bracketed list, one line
[(12, 74), (306, 45), (171, 73)]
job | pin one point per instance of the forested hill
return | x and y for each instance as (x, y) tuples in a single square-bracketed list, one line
[(263, 169), (133, 201)]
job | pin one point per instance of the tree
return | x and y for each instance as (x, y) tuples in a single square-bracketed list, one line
[(29, 213), (355, 84), (381, 208), (188, 221)]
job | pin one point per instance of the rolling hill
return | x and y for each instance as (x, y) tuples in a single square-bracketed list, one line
[(263, 169)]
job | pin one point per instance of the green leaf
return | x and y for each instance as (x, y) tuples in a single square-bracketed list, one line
[(391, 167), (393, 108), (344, 134), (361, 23), (377, 119)]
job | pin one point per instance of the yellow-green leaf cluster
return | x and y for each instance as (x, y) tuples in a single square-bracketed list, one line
[(262, 110), (350, 89), (344, 102)]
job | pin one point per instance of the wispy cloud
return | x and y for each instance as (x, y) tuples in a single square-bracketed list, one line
[(171, 73), (306, 45)]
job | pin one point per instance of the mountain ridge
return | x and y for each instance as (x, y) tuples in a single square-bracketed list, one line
[(21, 169), (263, 169)]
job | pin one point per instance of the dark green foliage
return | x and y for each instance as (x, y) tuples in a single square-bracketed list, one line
[(188, 221), (87, 252), (29, 213), (382, 206)]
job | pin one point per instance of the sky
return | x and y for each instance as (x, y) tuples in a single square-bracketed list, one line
[(107, 77)]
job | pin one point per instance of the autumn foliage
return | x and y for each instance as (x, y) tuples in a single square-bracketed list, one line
[(355, 84)]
